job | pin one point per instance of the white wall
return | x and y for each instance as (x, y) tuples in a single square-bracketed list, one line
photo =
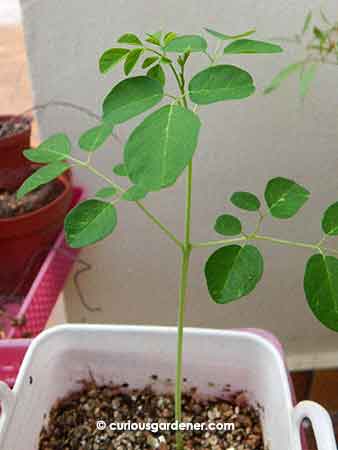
[(9, 12), (243, 144)]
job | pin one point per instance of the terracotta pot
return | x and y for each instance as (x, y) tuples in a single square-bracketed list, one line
[(14, 167), (25, 241)]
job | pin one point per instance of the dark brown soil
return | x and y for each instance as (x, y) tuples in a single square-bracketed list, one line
[(13, 126), (72, 424), (11, 207)]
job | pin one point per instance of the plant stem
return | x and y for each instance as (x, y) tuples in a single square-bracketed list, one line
[(285, 242), (181, 306), (180, 335), (160, 224), (186, 251), (188, 207), (257, 237), (176, 75), (215, 243), (146, 211)]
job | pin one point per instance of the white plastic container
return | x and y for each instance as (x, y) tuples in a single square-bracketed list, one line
[(62, 356)]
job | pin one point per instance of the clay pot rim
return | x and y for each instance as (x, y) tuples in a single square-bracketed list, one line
[(16, 118), (23, 217)]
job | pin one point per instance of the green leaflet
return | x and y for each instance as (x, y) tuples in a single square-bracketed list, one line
[(285, 197), (94, 138), (246, 201), (228, 225), (233, 272), (161, 147), (131, 97), (89, 222), (321, 289), (55, 148), (111, 58), (42, 176), (330, 220), (218, 83), (250, 46), (228, 37), (187, 43)]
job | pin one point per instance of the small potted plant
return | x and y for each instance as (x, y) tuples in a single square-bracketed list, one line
[(160, 150), (28, 226)]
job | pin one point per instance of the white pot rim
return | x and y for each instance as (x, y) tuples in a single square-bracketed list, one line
[(251, 359)]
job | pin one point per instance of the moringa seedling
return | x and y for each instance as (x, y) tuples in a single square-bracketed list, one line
[(161, 148)]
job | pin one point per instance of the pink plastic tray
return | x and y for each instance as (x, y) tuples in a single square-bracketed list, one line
[(43, 294), (38, 304), (12, 352)]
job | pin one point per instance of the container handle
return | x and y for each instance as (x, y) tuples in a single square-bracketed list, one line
[(7, 401), (321, 424)]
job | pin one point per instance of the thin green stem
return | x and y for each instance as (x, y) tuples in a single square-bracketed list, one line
[(285, 242), (159, 224), (154, 51), (321, 241), (180, 337), (177, 77), (188, 206), (88, 166), (216, 243), (146, 211), (186, 251), (170, 96), (211, 59), (216, 55), (181, 306), (257, 237)]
